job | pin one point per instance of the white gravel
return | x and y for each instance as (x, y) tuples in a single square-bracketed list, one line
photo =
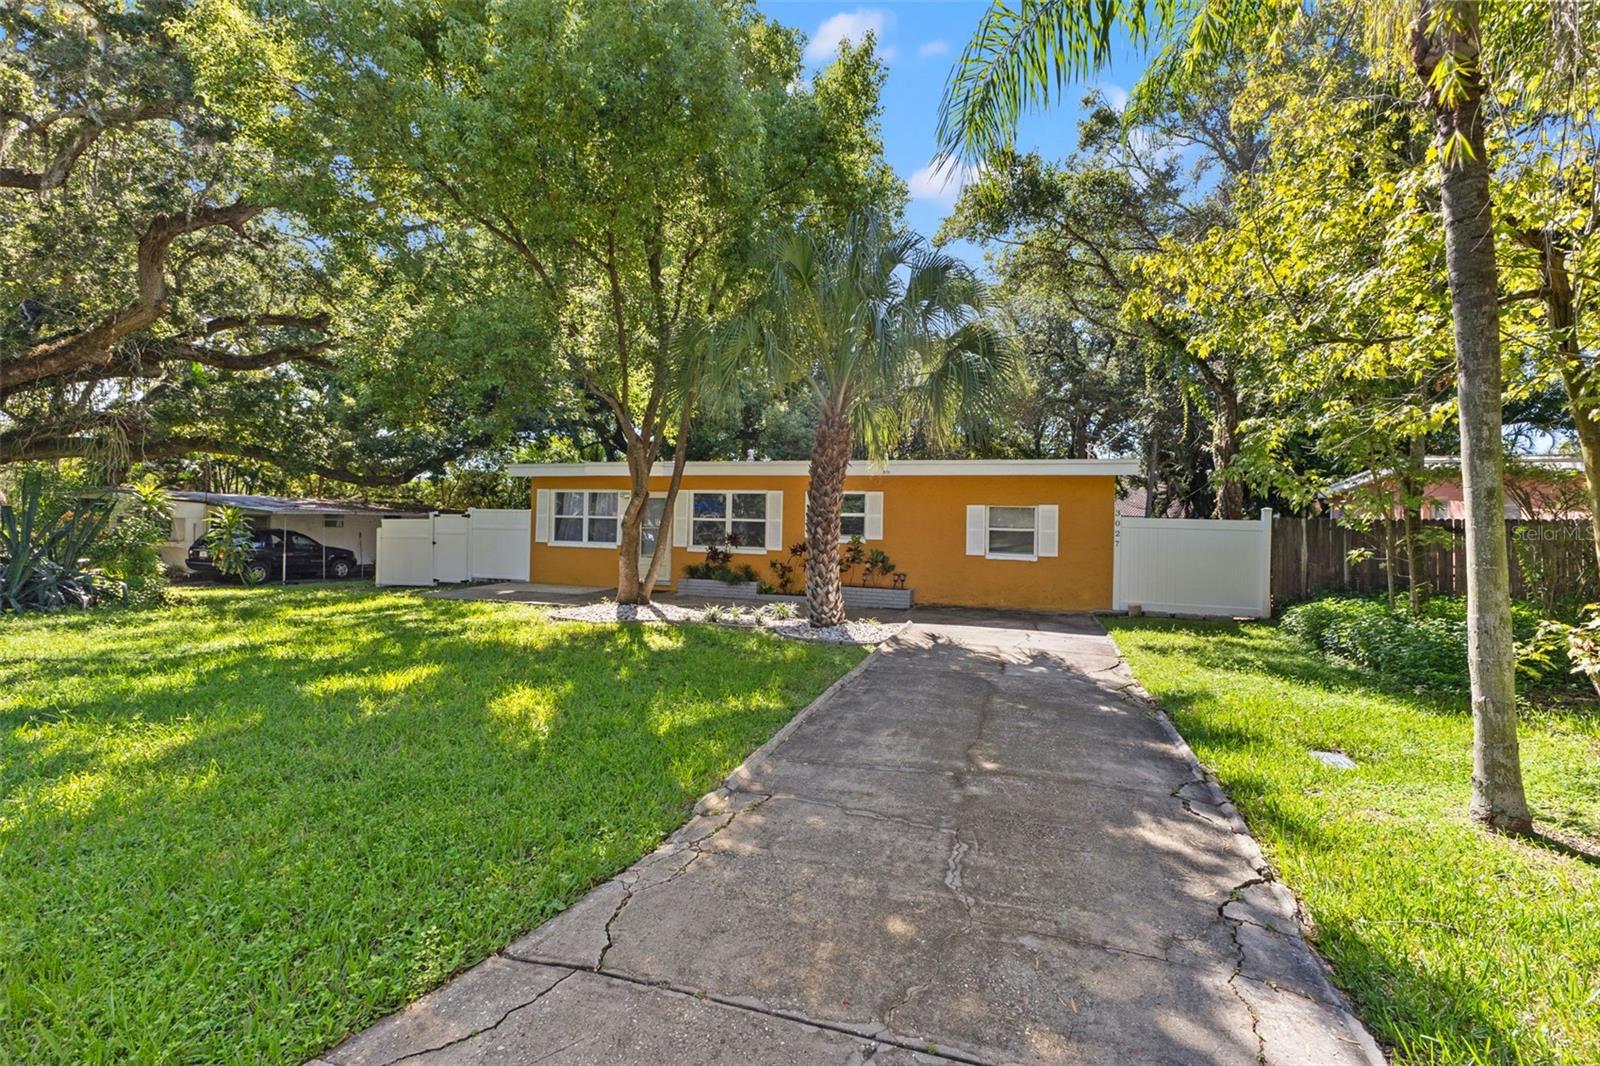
[(851, 632)]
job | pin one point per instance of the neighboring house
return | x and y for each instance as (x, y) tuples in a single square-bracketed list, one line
[(333, 523), (1133, 505), (1537, 487), (1034, 534)]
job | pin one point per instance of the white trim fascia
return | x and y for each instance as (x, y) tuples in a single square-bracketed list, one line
[(858, 468)]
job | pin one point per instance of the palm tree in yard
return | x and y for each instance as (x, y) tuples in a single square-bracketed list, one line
[(1027, 49), (882, 328)]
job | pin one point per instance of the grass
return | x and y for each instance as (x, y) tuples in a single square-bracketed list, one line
[(1458, 946), (236, 830)]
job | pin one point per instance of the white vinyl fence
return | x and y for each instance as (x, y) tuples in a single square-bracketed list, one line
[(1196, 566), (481, 545)]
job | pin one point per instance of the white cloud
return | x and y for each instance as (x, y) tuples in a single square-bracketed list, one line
[(941, 183), (1115, 95), (936, 47), (848, 24)]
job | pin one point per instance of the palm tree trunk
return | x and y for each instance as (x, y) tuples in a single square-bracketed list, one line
[(1498, 800), (830, 462)]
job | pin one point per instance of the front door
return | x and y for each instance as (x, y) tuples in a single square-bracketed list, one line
[(650, 535)]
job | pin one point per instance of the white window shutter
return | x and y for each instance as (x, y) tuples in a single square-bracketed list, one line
[(1049, 530), (774, 521), (622, 509), (874, 516), (977, 529), (543, 510), (681, 506)]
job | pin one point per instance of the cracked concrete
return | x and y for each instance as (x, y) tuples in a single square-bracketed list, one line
[(982, 847)]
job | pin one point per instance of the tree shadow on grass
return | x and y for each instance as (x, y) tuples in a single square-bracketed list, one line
[(1261, 648), (382, 816)]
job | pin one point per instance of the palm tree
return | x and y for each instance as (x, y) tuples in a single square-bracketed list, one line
[(882, 328), (1021, 54)]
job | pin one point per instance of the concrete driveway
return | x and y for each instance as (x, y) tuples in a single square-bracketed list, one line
[(976, 848)]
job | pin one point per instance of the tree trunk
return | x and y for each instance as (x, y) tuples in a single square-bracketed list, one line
[(1577, 375), (1152, 461), (1224, 449), (680, 454), (830, 462), (1498, 800), (631, 587), (1412, 485), (1388, 555)]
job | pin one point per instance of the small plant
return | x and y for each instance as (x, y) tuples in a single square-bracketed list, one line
[(718, 557), (782, 611), (230, 539), (1559, 644), (878, 565), (714, 613), (786, 571), (854, 555)]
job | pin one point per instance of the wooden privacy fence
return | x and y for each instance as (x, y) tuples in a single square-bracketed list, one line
[(1550, 561)]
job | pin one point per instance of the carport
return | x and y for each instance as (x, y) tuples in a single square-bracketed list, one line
[(350, 524)]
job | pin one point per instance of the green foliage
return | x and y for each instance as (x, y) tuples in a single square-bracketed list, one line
[(1458, 947), (718, 566), (229, 537), (883, 330), (47, 540), (272, 816), (128, 550), (1428, 651), (877, 565)]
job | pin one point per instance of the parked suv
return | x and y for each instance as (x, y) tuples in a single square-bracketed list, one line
[(270, 556)]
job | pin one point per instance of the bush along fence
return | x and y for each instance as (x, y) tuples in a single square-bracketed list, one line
[(1552, 562)]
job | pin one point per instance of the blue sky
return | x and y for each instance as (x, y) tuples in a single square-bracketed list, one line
[(921, 41)]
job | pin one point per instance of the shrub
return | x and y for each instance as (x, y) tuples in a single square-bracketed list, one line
[(48, 543), (1428, 651)]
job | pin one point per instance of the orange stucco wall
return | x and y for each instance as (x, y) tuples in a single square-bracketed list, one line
[(924, 532)]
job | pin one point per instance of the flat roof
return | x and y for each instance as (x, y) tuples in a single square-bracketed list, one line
[(858, 468), (292, 505)]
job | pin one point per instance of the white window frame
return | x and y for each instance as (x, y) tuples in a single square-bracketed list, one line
[(989, 527), (587, 516), (727, 519), (844, 538)]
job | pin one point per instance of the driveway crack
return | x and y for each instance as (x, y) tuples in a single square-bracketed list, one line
[(485, 1029), (631, 879), (1238, 966)]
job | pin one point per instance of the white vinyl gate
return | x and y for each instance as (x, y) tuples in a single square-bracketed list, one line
[(480, 545), (1200, 566)]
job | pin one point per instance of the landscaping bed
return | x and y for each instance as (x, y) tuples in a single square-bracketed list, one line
[(782, 620), (238, 830), (1457, 945)]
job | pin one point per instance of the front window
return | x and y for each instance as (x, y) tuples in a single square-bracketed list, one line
[(586, 518), (853, 516), (1013, 531), (736, 519)]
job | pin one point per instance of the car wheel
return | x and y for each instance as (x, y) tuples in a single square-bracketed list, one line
[(340, 568), (255, 574)]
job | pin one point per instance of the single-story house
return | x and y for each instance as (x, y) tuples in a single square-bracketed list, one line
[(1027, 534), (333, 523), (1537, 487)]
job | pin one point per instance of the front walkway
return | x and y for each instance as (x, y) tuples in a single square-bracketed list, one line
[(975, 849)]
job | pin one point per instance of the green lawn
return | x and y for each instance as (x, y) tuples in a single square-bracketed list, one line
[(1457, 946), (236, 830)]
